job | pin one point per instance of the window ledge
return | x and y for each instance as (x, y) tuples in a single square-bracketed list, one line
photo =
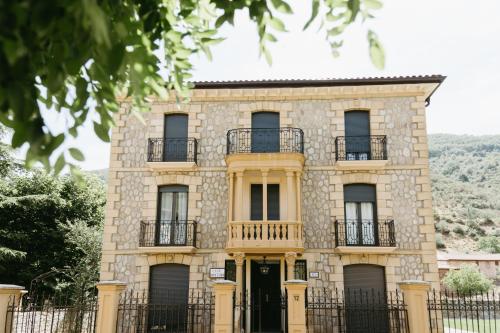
[(365, 249), (156, 166), (166, 249), (361, 165)]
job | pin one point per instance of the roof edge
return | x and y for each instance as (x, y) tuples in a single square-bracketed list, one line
[(249, 84)]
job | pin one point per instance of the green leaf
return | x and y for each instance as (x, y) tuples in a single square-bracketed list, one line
[(59, 165), (373, 4), (76, 154), (277, 24), (377, 54), (314, 13), (101, 131), (282, 7), (353, 6)]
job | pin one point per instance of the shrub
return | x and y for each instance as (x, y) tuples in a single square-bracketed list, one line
[(439, 242), (487, 222), (459, 230), (467, 280), (443, 228), (490, 244)]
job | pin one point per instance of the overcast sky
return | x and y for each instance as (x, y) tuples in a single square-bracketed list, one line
[(456, 38)]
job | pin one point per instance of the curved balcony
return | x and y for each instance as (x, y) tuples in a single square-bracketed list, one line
[(168, 236), (265, 140), (363, 236), (172, 153), (265, 236)]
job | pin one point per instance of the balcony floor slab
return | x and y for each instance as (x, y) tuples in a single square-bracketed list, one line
[(166, 249), (365, 249)]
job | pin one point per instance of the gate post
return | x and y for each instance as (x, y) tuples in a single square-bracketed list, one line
[(107, 309), (296, 303), (224, 291), (8, 293), (415, 295)]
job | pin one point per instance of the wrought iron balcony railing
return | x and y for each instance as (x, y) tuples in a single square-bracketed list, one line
[(360, 148), (167, 233), (365, 233), (172, 150), (265, 140)]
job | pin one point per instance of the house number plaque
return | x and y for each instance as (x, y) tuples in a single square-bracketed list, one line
[(216, 273), (314, 275)]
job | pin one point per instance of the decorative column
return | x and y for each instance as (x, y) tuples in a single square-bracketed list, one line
[(290, 258), (223, 290), (296, 305), (108, 300), (231, 197), (298, 195), (239, 259), (290, 195), (10, 295), (238, 209), (415, 296), (264, 194)]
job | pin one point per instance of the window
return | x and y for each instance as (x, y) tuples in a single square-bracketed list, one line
[(273, 202), (360, 221), (230, 270), (175, 137), (265, 132), (357, 135), (172, 215)]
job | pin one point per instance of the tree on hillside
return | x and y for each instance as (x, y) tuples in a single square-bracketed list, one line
[(38, 213), (72, 56)]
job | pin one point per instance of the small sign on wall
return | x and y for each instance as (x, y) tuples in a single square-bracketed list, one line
[(314, 275), (216, 273)]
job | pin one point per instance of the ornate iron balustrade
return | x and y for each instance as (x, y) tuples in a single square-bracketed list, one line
[(265, 140), (172, 150), (360, 148), (167, 233), (365, 233)]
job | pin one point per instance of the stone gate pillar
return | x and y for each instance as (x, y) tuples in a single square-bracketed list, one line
[(223, 290), (415, 295), (296, 303), (108, 301), (9, 295)]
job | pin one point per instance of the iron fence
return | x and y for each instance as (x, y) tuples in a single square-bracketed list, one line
[(172, 150), (353, 232), (167, 233), (265, 140), (166, 312), (51, 314), (355, 311), (356, 148), (455, 312)]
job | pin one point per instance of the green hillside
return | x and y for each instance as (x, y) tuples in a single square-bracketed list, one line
[(465, 174)]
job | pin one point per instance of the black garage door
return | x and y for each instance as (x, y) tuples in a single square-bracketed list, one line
[(366, 305), (168, 290)]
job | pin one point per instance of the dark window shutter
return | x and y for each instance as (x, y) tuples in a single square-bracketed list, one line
[(256, 202), (273, 202), (359, 193), (169, 283)]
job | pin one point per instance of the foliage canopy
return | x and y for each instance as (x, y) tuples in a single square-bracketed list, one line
[(75, 57), (467, 280)]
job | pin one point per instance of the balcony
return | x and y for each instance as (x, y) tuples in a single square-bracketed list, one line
[(265, 236), (167, 236), (361, 152), (249, 148), (172, 153), (365, 236)]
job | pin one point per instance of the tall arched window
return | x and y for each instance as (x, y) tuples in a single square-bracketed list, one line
[(360, 214), (172, 215), (357, 135), (265, 132), (175, 137)]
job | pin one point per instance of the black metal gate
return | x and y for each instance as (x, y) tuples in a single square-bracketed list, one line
[(352, 312), (248, 314), (136, 313), (49, 314)]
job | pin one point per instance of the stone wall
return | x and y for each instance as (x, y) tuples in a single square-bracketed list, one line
[(403, 188)]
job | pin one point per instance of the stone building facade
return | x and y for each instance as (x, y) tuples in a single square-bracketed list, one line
[(311, 174)]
